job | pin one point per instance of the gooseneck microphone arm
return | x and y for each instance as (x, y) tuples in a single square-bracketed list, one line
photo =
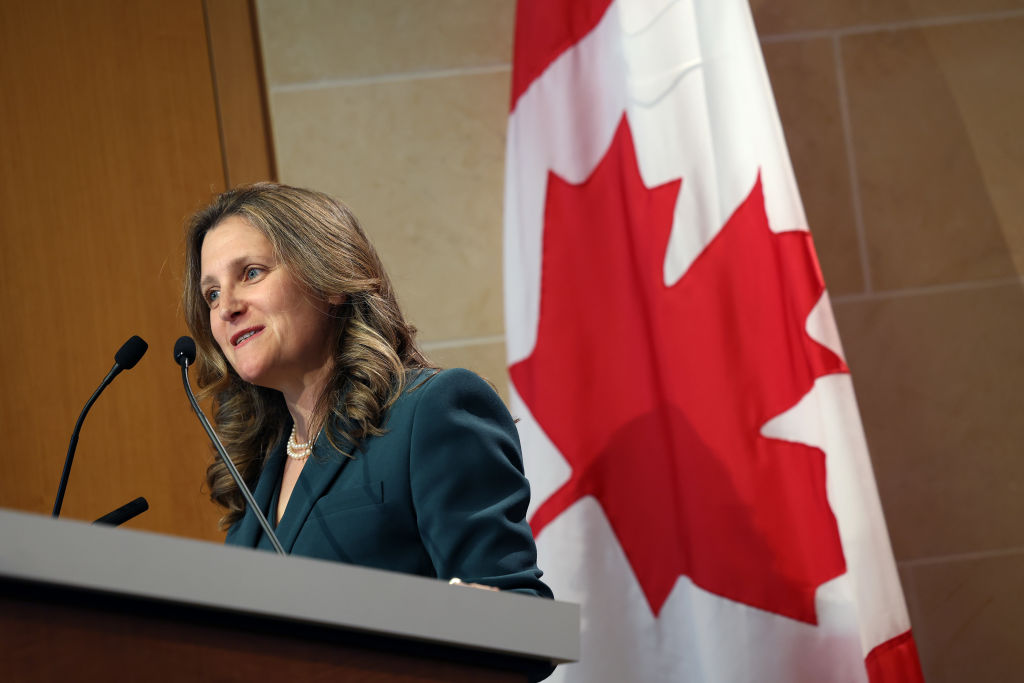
[(125, 359), (122, 514), (185, 354)]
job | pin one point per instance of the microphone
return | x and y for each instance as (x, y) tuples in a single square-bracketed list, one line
[(185, 351), (125, 359), (124, 513), (184, 355)]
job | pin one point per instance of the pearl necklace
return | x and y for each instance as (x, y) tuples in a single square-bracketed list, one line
[(296, 450)]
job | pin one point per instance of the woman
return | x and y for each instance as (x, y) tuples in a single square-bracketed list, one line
[(359, 450)]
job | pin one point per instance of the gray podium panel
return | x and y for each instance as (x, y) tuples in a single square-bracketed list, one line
[(137, 564)]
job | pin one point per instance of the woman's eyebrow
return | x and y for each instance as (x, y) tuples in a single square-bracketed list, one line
[(232, 265)]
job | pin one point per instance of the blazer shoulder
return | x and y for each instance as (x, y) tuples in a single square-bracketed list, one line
[(451, 381)]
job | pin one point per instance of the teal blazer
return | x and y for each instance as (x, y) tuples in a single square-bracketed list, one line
[(440, 494)]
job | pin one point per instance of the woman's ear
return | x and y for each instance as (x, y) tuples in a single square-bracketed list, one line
[(337, 299)]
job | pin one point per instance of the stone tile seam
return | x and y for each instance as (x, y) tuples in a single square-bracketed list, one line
[(331, 83), (770, 38), (445, 344), (929, 290), (851, 166), (465, 342), (862, 29), (962, 557)]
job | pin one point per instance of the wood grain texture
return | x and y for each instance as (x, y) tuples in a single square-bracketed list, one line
[(76, 642), (241, 98), (110, 140)]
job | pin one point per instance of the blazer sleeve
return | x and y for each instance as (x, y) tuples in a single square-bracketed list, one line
[(468, 486)]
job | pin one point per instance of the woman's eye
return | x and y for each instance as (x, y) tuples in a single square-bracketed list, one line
[(212, 296), (252, 272)]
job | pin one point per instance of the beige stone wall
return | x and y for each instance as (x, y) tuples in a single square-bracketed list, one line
[(904, 123), (398, 107), (903, 120)]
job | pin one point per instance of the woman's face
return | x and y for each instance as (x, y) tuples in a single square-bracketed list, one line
[(273, 332)]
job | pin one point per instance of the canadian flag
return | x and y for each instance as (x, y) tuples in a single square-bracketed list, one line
[(701, 481)]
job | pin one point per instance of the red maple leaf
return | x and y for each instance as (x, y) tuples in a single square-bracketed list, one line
[(656, 394)]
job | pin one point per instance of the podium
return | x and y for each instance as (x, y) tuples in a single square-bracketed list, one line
[(81, 602)]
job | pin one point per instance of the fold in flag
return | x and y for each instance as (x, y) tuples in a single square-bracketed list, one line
[(701, 480)]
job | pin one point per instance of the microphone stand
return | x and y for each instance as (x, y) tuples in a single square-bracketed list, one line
[(128, 511), (70, 457), (125, 359), (227, 462)]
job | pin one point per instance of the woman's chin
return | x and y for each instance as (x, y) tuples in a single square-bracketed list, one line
[(252, 375)]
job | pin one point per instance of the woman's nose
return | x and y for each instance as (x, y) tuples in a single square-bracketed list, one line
[(230, 305)]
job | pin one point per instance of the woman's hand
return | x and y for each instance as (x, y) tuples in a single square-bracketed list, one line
[(456, 581)]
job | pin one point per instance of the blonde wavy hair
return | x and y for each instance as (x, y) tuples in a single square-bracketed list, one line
[(320, 243)]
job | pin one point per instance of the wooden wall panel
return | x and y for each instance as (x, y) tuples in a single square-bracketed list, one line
[(109, 139), (242, 102)]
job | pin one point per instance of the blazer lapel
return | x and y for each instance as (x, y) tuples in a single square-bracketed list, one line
[(319, 472), (249, 529)]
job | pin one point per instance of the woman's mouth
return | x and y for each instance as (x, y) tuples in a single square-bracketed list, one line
[(245, 335)]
